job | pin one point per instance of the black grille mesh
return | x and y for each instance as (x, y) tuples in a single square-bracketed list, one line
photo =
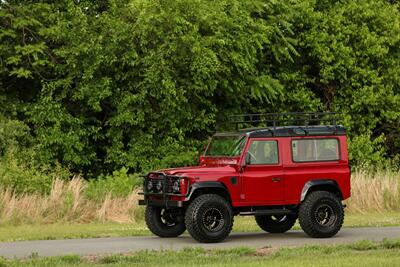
[(170, 180)]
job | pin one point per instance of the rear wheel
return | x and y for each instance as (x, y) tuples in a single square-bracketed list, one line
[(321, 214), (209, 218), (276, 223), (164, 222)]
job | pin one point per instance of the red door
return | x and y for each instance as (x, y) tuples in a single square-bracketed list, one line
[(262, 177)]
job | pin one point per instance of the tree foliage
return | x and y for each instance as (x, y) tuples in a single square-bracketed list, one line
[(100, 85)]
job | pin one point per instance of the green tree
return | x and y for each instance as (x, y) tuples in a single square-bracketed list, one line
[(101, 85), (143, 80), (349, 62)]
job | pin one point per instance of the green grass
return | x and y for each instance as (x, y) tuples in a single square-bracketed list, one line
[(248, 224), (68, 231), (363, 253), (242, 224)]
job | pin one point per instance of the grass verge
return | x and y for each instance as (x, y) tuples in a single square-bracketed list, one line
[(91, 230), (368, 219), (69, 231), (77, 201), (363, 253), (68, 212)]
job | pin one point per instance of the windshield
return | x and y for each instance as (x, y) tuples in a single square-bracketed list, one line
[(226, 146)]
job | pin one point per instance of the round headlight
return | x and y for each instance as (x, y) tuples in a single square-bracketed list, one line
[(159, 186), (176, 187), (149, 185)]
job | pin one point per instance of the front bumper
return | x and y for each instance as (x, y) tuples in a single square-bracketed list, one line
[(161, 199), (156, 203)]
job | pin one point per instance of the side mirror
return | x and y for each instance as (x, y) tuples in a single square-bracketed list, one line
[(247, 161)]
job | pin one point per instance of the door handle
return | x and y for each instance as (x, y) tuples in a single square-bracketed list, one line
[(276, 179)]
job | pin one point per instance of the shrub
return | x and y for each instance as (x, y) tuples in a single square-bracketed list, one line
[(28, 178), (366, 151), (13, 134), (119, 184)]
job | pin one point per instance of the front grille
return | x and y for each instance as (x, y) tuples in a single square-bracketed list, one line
[(166, 182)]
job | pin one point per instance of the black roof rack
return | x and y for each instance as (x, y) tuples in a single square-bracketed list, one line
[(289, 124), (288, 118)]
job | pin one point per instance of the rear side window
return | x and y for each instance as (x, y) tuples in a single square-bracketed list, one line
[(306, 150)]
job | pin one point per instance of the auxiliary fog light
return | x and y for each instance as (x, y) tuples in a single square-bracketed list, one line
[(159, 186), (149, 186), (176, 187)]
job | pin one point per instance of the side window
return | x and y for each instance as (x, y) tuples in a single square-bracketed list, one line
[(263, 152), (306, 150)]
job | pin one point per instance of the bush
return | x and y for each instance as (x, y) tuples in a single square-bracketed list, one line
[(13, 134), (367, 152), (176, 156), (19, 168), (119, 184), (27, 178)]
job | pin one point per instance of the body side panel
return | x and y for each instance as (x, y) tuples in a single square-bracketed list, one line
[(299, 173)]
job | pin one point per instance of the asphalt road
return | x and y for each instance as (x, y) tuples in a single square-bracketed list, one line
[(127, 244)]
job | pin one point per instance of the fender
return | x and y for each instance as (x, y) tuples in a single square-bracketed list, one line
[(325, 182), (207, 185)]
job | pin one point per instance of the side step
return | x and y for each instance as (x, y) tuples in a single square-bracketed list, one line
[(267, 212)]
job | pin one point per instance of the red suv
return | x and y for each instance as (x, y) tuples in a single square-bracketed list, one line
[(278, 174)]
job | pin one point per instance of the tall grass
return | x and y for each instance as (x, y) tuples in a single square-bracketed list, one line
[(67, 201), (374, 191)]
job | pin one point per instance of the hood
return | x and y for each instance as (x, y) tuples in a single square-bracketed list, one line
[(199, 170)]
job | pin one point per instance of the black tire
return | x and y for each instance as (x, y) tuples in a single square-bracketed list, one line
[(209, 218), (321, 214), (277, 223), (164, 222)]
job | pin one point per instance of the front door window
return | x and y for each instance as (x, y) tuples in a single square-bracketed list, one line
[(263, 152)]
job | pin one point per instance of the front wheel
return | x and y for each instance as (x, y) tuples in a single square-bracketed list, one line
[(209, 218), (321, 214), (164, 222), (276, 223)]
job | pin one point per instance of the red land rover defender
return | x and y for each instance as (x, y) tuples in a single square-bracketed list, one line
[(275, 173)]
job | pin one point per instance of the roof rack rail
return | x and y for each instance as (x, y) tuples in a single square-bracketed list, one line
[(282, 119)]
